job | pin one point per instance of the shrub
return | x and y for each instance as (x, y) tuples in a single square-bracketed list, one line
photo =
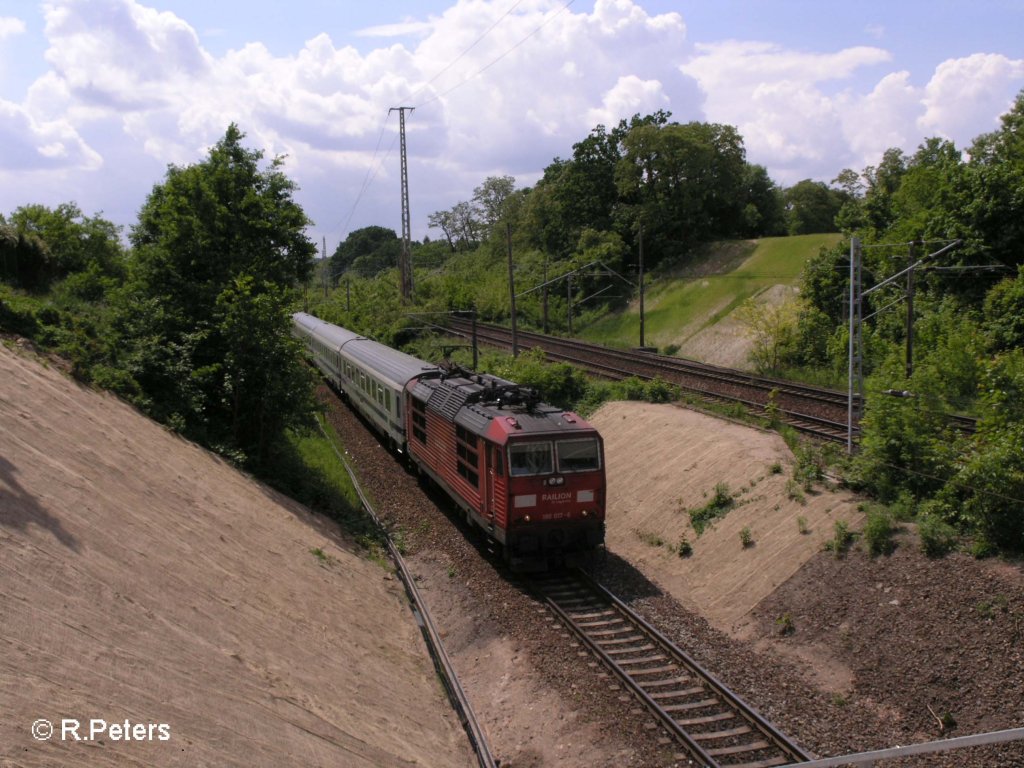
[(746, 537), (786, 625), (878, 532), (720, 503), (685, 548), (840, 543), (937, 536)]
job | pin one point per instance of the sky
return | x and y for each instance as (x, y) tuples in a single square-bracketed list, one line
[(98, 97)]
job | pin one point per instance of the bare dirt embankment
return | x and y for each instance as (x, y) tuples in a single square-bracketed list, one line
[(142, 579), (924, 648)]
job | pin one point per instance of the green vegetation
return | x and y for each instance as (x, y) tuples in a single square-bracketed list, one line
[(649, 538), (801, 525), (720, 503), (879, 529), (190, 322), (841, 540), (786, 625), (746, 537), (684, 548), (707, 286)]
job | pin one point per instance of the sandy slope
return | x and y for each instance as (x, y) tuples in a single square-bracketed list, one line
[(142, 579), (664, 460)]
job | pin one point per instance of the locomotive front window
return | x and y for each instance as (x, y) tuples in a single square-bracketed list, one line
[(578, 455), (529, 459)]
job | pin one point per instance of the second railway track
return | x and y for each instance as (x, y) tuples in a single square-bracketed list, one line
[(712, 724), (812, 410)]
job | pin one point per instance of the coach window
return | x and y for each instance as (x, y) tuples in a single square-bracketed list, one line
[(529, 459)]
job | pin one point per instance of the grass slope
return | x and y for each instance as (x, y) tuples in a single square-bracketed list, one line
[(720, 278)]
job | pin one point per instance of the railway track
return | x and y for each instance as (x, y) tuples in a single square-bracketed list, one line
[(715, 727), (812, 410)]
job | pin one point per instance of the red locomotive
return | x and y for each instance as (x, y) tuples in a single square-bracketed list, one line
[(530, 475)]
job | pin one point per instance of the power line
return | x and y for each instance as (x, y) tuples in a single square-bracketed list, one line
[(480, 71), (472, 45)]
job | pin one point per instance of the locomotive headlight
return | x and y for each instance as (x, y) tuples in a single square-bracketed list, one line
[(585, 513), (526, 518)]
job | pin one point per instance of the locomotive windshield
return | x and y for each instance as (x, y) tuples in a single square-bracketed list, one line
[(578, 455), (529, 459)]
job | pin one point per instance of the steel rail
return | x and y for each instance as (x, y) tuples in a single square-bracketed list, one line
[(442, 662), (737, 710), (671, 368)]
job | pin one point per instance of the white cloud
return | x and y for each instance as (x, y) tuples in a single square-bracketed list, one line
[(777, 100), (965, 96), (629, 96), (794, 120), (11, 26), (33, 145), (133, 83), (881, 119)]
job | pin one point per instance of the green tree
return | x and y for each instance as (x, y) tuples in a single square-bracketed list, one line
[(685, 182), (1004, 314), (215, 245), (811, 207), (491, 198), (75, 241), (366, 252), (993, 194), (264, 384), (773, 330)]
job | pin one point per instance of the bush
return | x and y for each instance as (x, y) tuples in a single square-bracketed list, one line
[(720, 503), (840, 543), (878, 532), (938, 537), (685, 548)]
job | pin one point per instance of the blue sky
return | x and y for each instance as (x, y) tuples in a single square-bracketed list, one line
[(97, 97)]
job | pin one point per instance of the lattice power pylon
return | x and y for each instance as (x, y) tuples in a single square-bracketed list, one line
[(405, 259)]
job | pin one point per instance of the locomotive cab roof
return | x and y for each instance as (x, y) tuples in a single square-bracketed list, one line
[(486, 404)]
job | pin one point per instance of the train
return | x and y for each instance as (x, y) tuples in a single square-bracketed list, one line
[(529, 475)]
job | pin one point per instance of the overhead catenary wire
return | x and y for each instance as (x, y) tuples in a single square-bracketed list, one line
[(373, 169), (494, 61)]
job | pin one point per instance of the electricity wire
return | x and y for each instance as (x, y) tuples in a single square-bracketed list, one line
[(372, 170), (494, 61)]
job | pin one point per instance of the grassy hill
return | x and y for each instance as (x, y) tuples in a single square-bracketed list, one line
[(685, 306)]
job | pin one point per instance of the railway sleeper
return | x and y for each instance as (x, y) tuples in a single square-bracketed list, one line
[(641, 660), (610, 632), (668, 681), (717, 718), (767, 763), (661, 695), (622, 651), (726, 734), (634, 638), (703, 703), (654, 671), (739, 748), (604, 613)]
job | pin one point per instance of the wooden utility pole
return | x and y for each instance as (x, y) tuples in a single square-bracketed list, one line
[(405, 260)]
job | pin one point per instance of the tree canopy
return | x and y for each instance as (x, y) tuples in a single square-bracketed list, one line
[(218, 249)]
